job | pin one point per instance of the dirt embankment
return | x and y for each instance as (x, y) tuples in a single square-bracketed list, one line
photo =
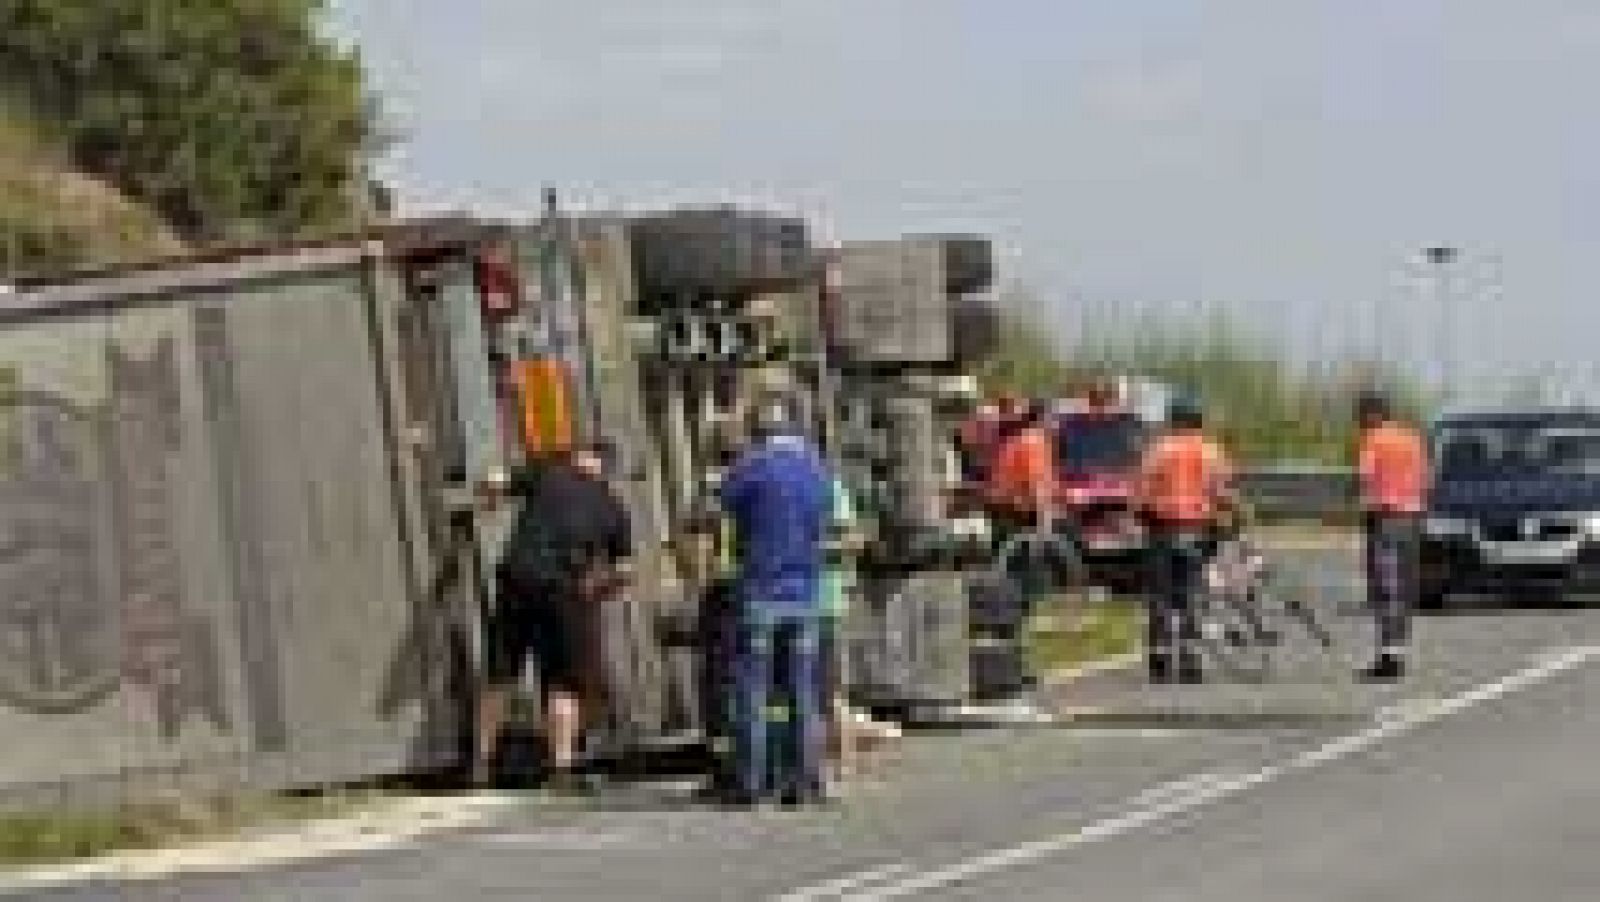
[(54, 218)]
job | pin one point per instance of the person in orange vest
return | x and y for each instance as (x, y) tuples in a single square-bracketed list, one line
[(1182, 490), (1392, 463), (1022, 480)]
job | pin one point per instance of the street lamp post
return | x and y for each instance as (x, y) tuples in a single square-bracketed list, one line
[(1438, 259)]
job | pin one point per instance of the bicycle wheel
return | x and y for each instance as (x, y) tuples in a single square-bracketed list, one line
[(1238, 637)]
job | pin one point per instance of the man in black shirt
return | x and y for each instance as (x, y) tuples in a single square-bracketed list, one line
[(566, 554)]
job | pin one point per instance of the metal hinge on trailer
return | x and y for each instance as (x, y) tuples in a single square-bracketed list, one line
[(703, 339)]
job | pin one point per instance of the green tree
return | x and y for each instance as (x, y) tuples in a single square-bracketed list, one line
[(230, 118)]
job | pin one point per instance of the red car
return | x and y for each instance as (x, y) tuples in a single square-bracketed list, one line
[(1097, 455)]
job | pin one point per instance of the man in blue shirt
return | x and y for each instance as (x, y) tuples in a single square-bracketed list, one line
[(779, 497)]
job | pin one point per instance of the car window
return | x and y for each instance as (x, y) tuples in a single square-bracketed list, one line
[(1462, 451), (1087, 443), (1458, 451), (1566, 450)]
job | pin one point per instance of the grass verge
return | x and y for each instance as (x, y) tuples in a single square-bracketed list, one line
[(1106, 630), (37, 838)]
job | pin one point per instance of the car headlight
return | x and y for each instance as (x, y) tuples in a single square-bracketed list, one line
[(1590, 525), (1447, 526)]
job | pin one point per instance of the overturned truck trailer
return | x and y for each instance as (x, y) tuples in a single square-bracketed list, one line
[(229, 555), (678, 320), (880, 336), (707, 307), (240, 542)]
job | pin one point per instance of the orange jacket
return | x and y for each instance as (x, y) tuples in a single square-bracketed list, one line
[(1393, 463), (1023, 476), (1182, 478)]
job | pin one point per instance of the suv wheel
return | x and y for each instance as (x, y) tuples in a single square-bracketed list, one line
[(1433, 597)]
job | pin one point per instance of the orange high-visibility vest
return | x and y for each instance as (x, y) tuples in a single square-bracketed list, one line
[(1393, 461), (1024, 471), (1181, 478)]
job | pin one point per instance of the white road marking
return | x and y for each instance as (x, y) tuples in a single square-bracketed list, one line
[(1183, 796), (1175, 788), (561, 840), (833, 889), (1135, 732), (383, 828), (1404, 708)]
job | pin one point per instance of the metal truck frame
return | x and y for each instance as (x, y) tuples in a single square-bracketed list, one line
[(251, 471)]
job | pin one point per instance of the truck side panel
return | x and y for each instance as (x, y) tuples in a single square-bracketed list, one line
[(206, 578)]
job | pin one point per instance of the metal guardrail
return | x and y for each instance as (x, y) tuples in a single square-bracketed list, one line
[(1299, 492)]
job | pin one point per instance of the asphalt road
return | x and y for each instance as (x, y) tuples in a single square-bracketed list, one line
[(1497, 802), (1474, 780)]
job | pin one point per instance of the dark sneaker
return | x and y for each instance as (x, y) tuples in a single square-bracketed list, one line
[(1159, 668), (1190, 672), (737, 799), (1387, 668), (805, 797)]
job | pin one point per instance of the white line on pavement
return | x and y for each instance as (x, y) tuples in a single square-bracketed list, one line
[(832, 889), (1175, 788), (1202, 791), (382, 828), (563, 840)]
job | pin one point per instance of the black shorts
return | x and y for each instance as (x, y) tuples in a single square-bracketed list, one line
[(540, 623)]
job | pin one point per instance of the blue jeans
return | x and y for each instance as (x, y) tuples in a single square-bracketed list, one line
[(778, 649)]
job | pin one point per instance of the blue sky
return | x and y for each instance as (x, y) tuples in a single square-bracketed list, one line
[(1275, 158)]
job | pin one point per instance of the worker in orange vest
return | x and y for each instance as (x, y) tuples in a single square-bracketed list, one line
[(1392, 463), (1022, 479), (1182, 491)]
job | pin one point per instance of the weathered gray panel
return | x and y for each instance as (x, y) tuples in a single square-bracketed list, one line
[(325, 520), (636, 667), (113, 604), (202, 575), (892, 302), (916, 456), (908, 639)]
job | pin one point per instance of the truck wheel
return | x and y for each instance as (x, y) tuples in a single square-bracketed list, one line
[(719, 252), (968, 264), (974, 329)]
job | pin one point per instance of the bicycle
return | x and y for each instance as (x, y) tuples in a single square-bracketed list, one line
[(1240, 587), (1242, 596)]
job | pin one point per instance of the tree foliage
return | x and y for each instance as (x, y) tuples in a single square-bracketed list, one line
[(230, 118)]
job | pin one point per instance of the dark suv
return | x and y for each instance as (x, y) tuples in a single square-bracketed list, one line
[(1515, 504)]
